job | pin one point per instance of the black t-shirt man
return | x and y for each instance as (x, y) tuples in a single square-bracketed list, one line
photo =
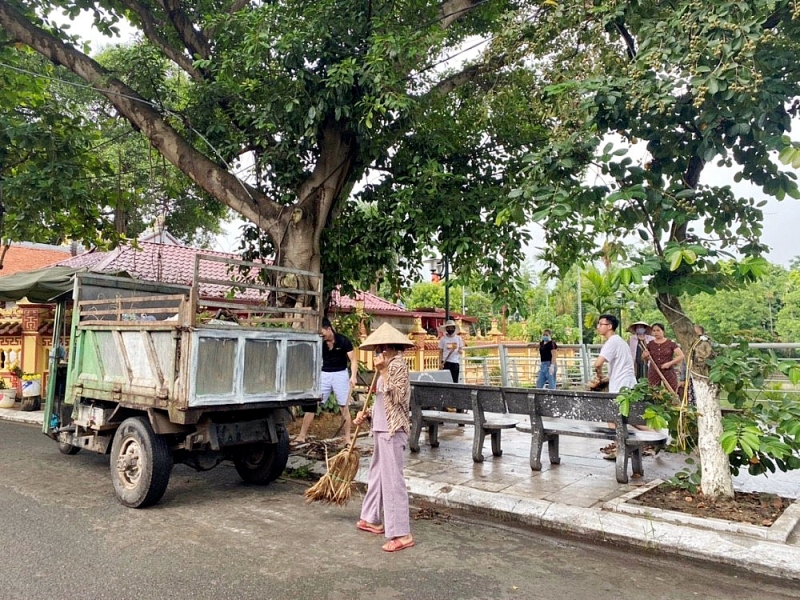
[(335, 359)]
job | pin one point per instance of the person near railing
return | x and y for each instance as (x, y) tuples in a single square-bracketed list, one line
[(547, 366), (450, 348), (638, 344), (664, 355)]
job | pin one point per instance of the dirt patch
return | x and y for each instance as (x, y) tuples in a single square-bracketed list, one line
[(325, 426), (746, 507)]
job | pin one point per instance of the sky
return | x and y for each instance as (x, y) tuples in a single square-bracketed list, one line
[(781, 218)]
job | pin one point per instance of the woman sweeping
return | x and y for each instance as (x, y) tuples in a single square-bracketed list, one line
[(385, 507)]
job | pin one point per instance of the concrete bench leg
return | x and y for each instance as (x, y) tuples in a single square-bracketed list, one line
[(496, 448), (636, 460), (413, 442), (622, 466), (433, 434), (552, 450), (477, 445), (536, 452)]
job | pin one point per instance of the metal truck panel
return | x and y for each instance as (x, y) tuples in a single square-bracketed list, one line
[(249, 366)]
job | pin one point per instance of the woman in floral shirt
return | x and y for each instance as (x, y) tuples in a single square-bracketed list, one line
[(385, 507)]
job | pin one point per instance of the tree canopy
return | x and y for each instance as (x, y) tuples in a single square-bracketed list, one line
[(317, 96), (688, 84), (48, 157)]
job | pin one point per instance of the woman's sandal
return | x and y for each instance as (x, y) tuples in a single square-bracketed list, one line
[(369, 527), (396, 544)]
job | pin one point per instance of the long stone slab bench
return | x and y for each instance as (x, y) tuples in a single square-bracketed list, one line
[(554, 413), (482, 407)]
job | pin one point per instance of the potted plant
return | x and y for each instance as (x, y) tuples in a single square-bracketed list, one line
[(7, 395), (16, 378), (31, 391)]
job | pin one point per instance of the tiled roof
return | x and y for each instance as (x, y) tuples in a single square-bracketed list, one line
[(167, 263), (85, 260), (171, 263), (29, 257), (10, 328), (372, 304)]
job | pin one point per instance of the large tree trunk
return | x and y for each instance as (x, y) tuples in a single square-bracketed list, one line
[(298, 230), (716, 475)]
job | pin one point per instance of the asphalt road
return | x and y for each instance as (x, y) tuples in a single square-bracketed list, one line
[(63, 535)]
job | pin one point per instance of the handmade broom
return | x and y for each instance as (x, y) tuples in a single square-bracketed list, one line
[(336, 485)]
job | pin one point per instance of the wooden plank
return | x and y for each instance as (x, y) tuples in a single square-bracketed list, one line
[(257, 286), (253, 265)]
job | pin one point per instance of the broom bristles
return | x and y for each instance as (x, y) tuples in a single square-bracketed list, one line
[(336, 485)]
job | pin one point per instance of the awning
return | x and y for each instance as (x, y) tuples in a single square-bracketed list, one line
[(40, 286)]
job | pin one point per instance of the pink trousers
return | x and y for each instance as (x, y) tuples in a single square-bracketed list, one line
[(386, 487)]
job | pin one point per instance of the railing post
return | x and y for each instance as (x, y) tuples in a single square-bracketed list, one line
[(585, 366), (503, 353), (512, 364)]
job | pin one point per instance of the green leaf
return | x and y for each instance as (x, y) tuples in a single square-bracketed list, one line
[(675, 261)]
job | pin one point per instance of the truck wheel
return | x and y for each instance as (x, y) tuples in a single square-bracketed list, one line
[(141, 463), (66, 448), (263, 463)]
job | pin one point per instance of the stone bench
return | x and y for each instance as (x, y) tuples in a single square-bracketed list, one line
[(484, 408), (554, 413), (440, 376)]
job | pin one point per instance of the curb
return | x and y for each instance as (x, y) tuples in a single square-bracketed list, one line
[(714, 541), (18, 416), (757, 555)]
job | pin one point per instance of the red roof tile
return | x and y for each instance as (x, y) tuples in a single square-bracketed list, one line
[(172, 263), (29, 257), (10, 328), (372, 304), (167, 263)]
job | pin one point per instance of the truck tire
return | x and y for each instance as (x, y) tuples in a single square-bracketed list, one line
[(141, 463), (263, 463)]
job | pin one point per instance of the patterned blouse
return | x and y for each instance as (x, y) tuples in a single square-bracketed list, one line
[(397, 395)]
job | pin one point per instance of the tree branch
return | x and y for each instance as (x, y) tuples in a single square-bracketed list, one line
[(630, 44), (194, 40), (212, 178), (238, 5), (690, 179), (451, 11), (150, 30), (467, 75)]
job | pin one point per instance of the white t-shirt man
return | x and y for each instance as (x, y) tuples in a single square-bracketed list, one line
[(620, 364)]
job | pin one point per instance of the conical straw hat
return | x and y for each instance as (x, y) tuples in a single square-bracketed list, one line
[(385, 335), (632, 327)]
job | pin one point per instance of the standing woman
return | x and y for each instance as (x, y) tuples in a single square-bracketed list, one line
[(664, 354), (385, 507), (638, 344)]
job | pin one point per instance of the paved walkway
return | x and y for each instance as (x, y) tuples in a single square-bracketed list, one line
[(581, 497)]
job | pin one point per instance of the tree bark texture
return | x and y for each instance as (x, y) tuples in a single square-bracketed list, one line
[(716, 478)]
